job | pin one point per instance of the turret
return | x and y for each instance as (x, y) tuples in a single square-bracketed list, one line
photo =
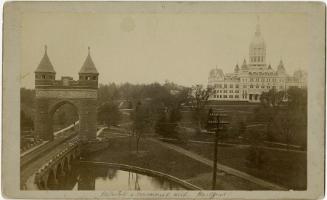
[(236, 69), (45, 73), (244, 65), (88, 74), (280, 68)]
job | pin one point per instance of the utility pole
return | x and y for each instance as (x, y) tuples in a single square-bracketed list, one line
[(215, 124), (214, 176)]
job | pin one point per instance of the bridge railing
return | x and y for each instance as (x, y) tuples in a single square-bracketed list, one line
[(37, 142)]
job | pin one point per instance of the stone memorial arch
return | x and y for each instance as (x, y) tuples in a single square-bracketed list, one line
[(50, 94)]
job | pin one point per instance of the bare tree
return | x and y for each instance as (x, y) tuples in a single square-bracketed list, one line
[(199, 98), (142, 122)]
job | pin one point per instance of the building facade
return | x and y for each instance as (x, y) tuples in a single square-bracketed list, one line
[(249, 80)]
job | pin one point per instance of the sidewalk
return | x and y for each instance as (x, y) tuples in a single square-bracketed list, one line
[(224, 168)]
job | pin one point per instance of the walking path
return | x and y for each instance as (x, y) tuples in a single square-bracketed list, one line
[(225, 168), (100, 131), (64, 129), (239, 145)]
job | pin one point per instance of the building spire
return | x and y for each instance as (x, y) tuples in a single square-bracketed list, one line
[(45, 49), (258, 32), (89, 49)]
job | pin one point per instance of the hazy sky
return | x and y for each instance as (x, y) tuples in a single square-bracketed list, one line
[(149, 47)]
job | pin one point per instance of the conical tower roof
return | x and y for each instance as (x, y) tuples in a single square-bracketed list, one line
[(88, 66), (244, 65), (45, 64), (237, 68)]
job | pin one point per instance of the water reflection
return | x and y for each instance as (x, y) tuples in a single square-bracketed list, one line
[(96, 177)]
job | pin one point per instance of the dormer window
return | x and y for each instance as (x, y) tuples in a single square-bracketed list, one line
[(43, 76), (94, 78)]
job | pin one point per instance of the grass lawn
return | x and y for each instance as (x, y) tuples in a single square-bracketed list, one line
[(156, 157), (287, 169)]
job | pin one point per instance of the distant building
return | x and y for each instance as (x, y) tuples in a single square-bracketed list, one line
[(249, 80)]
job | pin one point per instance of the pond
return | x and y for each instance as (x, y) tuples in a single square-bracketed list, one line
[(99, 177)]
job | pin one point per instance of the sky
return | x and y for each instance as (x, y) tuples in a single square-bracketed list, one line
[(155, 47)]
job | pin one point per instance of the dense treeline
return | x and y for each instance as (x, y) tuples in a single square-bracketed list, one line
[(162, 93), (285, 116), (27, 97)]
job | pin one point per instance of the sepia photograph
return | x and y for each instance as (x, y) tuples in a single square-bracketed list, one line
[(163, 100)]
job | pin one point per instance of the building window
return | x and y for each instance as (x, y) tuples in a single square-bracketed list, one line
[(230, 91), (262, 86), (43, 76), (225, 85), (244, 86), (257, 86), (230, 96), (236, 86), (236, 91), (236, 96), (231, 86), (251, 86)]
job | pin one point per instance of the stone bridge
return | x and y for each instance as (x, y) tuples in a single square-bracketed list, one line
[(47, 165), (51, 173)]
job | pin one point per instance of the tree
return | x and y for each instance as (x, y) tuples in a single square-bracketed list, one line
[(109, 114), (142, 121), (199, 99), (285, 113), (167, 122), (62, 118), (255, 157), (25, 121)]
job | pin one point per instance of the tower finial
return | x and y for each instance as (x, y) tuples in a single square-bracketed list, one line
[(257, 32), (89, 49), (45, 48)]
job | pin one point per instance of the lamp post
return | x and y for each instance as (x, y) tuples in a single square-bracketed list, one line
[(216, 124)]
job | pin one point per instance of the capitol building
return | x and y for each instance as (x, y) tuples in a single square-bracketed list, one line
[(253, 77)]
